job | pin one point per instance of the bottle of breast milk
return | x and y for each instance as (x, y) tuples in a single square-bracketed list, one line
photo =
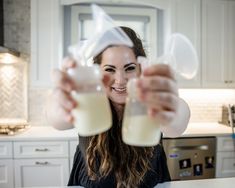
[(92, 115), (138, 129)]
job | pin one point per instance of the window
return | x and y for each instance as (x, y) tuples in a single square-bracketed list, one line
[(142, 19)]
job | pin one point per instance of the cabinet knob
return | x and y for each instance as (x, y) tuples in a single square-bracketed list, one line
[(41, 163), (43, 150)]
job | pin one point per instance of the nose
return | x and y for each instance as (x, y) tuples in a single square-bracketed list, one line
[(120, 77)]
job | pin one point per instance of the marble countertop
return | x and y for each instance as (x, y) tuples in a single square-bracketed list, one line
[(204, 183), (207, 129), (50, 133), (42, 133)]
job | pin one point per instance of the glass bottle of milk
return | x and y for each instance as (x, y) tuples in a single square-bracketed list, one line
[(92, 115), (138, 129)]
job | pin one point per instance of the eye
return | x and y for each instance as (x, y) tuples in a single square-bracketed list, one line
[(131, 68), (109, 70)]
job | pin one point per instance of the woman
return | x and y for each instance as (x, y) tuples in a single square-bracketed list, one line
[(104, 160)]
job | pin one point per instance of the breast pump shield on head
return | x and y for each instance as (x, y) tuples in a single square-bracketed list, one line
[(93, 114), (138, 128)]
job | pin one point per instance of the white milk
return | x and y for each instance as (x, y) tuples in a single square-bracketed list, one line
[(92, 116), (140, 130)]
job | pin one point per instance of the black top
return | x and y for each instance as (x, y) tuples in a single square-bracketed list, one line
[(159, 172)]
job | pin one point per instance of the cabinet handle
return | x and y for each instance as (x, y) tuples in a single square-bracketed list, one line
[(41, 163), (45, 149), (228, 81)]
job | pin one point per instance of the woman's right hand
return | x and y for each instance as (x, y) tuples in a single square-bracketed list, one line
[(60, 102)]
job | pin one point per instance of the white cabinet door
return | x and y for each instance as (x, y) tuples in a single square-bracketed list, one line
[(41, 172), (46, 35), (186, 19), (6, 165), (218, 43), (6, 173), (225, 165), (231, 43), (225, 157)]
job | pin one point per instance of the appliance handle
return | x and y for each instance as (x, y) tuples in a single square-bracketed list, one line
[(198, 147)]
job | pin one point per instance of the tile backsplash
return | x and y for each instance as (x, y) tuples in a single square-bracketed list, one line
[(37, 106), (208, 105)]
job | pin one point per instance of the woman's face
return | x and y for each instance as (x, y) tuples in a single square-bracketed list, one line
[(121, 64)]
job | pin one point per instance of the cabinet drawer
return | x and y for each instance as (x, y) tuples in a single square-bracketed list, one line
[(40, 149), (225, 144), (41, 172), (225, 166), (5, 150)]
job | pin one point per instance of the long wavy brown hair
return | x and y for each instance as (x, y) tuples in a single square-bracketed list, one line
[(107, 153)]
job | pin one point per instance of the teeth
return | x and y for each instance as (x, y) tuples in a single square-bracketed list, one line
[(120, 89)]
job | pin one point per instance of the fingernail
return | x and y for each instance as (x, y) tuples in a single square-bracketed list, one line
[(68, 87), (70, 105)]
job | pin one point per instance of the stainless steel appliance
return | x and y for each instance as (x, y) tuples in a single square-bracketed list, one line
[(190, 158)]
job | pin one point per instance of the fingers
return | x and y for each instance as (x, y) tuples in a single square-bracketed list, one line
[(162, 117), (64, 99), (160, 100), (157, 83), (62, 80), (160, 70), (64, 104), (67, 63), (65, 115), (158, 90)]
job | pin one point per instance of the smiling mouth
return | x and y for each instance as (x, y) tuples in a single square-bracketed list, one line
[(119, 90)]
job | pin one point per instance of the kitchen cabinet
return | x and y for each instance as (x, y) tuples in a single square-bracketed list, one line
[(46, 38), (6, 165), (41, 172), (44, 163), (209, 24), (186, 19), (41, 156), (218, 43), (225, 164)]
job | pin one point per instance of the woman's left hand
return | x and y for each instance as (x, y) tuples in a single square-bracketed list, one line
[(159, 91)]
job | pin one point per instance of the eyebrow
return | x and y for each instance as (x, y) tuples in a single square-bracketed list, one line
[(127, 65)]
